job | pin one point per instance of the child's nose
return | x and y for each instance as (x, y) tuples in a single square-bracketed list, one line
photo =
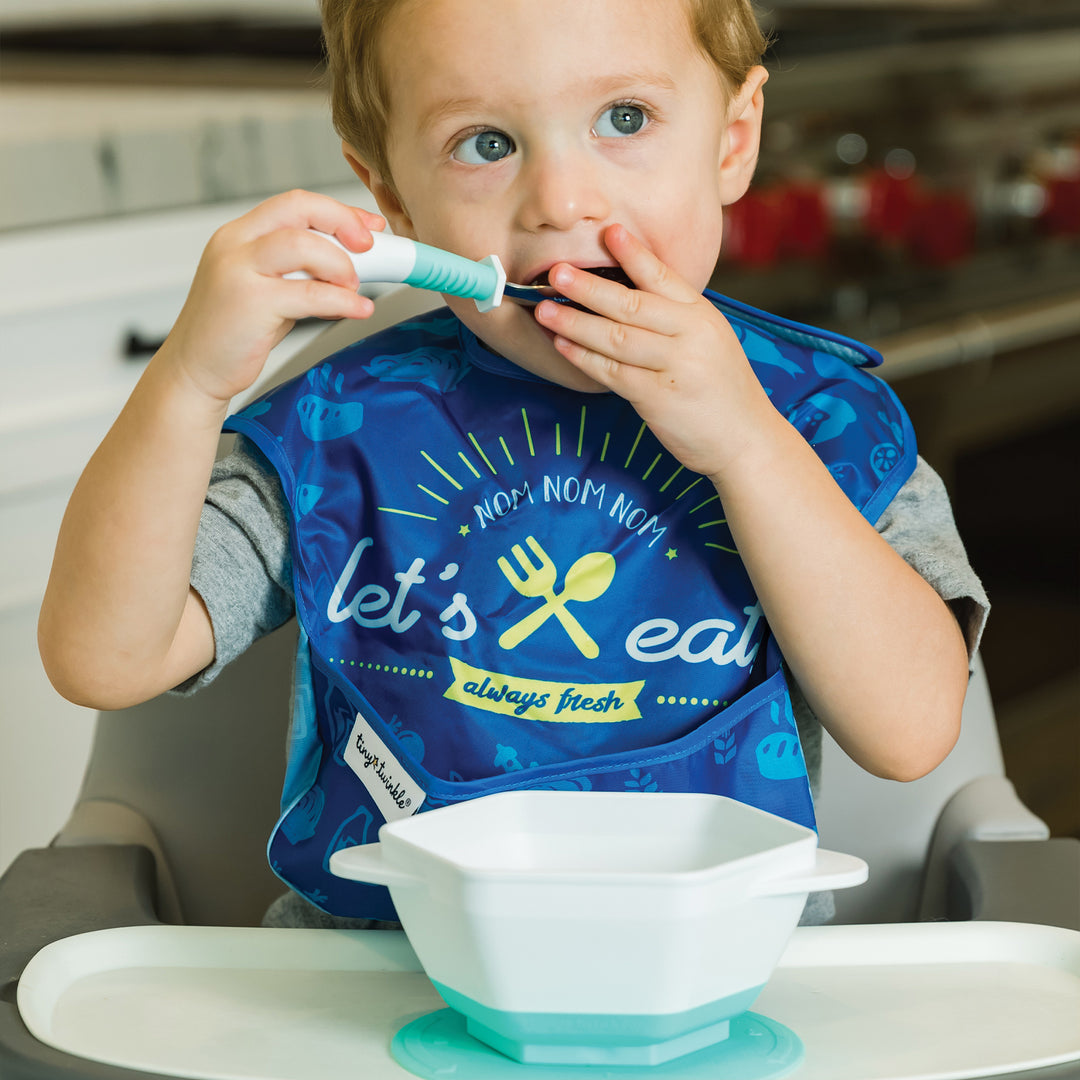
[(563, 191)]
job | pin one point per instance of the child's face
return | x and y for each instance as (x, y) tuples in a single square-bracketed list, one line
[(525, 129)]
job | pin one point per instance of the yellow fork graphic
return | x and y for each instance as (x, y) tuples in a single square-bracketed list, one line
[(588, 578)]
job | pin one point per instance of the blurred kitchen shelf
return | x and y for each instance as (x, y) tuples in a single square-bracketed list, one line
[(903, 297), (809, 27), (75, 153)]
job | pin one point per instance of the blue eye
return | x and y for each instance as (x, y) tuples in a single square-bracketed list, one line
[(620, 120), (484, 148)]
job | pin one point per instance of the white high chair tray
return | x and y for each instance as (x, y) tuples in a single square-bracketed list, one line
[(895, 1002)]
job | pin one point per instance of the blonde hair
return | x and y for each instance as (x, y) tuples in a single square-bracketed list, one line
[(726, 30)]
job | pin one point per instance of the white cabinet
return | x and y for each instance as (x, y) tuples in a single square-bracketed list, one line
[(76, 153), (70, 298)]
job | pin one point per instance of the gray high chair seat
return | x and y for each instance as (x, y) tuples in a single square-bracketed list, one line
[(180, 795)]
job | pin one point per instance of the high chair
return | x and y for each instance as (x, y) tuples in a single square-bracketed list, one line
[(180, 795)]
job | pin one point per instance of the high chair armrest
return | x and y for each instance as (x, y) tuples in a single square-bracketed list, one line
[(52, 893), (984, 809), (1016, 881), (55, 892), (105, 821)]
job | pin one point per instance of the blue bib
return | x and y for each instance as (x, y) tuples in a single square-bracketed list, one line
[(501, 583)]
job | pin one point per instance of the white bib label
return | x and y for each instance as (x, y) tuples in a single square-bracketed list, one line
[(396, 793)]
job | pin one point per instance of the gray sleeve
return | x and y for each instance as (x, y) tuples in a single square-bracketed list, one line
[(242, 567), (919, 526)]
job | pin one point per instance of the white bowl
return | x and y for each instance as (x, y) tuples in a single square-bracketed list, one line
[(598, 927)]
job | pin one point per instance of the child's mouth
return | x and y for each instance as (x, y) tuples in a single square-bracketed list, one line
[(609, 273)]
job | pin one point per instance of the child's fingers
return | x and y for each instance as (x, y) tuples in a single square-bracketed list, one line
[(301, 209), (287, 250), (628, 307), (659, 301), (644, 269), (598, 334), (320, 300)]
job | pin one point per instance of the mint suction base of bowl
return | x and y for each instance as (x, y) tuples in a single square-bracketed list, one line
[(438, 1045), (546, 1038), (637, 1053)]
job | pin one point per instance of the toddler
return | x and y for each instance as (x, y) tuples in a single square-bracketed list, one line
[(630, 543)]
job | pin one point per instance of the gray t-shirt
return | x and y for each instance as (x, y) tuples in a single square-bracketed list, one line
[(242, 568)]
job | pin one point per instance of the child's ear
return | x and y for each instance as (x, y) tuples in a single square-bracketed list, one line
[(386, 196), (742, 140)]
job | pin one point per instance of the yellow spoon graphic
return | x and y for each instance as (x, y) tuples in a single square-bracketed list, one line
[(587, 579)]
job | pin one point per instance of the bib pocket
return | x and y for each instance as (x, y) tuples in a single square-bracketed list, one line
[(748, 751)]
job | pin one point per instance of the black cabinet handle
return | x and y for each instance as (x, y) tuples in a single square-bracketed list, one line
[(138, 347)]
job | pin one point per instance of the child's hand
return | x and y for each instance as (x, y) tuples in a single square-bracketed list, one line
[(666, 349), (877, 653), (240, 305)]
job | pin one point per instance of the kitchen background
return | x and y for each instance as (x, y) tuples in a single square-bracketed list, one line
[(919, 188)]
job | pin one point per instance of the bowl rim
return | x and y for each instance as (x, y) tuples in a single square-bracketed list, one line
[(395, 840)]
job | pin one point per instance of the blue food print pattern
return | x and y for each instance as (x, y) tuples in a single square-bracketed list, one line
[(301, 823), (441, 323), (886, 454), (307, 495), (506, 758), (830, 366), (822, 417), (882, 458), (724, 749), (641, 781), (257, 409), (779, 755), (437, 368), (763, 351), (323, 418), (893, 426), (340, 717), (845, 474), (409, 741), (354, 831)]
